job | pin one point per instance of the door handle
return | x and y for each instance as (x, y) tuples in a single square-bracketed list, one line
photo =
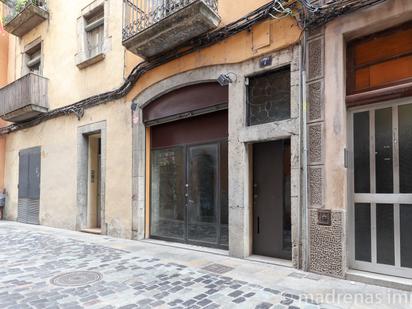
[(258, 225)]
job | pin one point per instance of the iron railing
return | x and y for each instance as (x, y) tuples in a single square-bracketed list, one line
[(12, 8), (139, 15)]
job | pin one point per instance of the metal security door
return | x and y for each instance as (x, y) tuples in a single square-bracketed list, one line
[(381, 182), (29, 185)]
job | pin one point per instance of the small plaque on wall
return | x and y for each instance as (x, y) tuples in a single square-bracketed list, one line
[(324, 217), (265, 61)]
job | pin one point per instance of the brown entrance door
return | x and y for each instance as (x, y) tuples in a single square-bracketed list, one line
[(271, 199)]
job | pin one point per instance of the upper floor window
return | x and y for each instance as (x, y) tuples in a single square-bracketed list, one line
[(94, 27), (93, 34), (380, 60), (32, 58), (269, 97)]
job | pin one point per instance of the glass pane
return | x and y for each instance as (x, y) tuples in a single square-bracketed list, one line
[(363, 232), (224, 196), (287, 215), (383, 150), (167, 196), (406, 236), (269, 97), (361, 152), (202, 205), (405, 148), (385, 238)]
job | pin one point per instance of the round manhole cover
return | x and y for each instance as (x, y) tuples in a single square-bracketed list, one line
[(77, 278)]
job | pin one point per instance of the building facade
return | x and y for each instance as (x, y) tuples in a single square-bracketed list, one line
[(4, 54), (213, 124), (361, 83)]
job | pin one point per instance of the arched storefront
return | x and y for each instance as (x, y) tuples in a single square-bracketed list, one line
[(201, 174), (189, 165)]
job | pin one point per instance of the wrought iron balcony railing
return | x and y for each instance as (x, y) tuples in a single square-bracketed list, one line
[(141, 14), (152, 27), (19, 17)]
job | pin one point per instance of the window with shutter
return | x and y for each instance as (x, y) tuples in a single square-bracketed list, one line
[(33, 59), (380, 60), (94, 28)]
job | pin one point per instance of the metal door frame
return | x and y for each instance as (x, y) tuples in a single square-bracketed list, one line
[(185, 240), (373, 199)]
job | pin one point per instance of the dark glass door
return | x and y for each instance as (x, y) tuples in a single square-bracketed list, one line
[(168, 194), (189, 194), (202, 193)]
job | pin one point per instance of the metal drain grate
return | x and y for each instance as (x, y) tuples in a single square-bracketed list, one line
[(77, 278), (218, 268)]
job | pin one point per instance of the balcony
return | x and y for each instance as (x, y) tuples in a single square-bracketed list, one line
[(152, 27), (24, 99), (22, 16)]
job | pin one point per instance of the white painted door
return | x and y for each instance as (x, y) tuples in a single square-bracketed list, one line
[(381, 186)]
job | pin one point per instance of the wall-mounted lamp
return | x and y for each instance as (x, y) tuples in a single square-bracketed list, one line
[(133, 106), (226, 79)]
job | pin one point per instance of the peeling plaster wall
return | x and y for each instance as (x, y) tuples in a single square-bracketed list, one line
[(58, 140), (60, 37), (279, 35), (68, 84)]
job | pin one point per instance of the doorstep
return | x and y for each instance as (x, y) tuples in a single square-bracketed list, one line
[(380, 280), (252, 258), (95, 231), (270, 260), (186, 246)]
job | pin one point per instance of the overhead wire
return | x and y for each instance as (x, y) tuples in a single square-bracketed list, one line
[(307, 15)]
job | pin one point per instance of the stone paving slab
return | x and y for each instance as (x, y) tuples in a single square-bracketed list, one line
[(128, 274)]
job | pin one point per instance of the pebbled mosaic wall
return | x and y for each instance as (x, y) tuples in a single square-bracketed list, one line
[(326, 242), (327, 245)]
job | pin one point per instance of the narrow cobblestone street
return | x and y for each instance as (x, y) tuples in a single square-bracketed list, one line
[(49, 268)]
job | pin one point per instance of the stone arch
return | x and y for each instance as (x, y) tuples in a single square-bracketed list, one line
[(147, 96)]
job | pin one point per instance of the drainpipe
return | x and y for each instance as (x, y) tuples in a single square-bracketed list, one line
[(305, 190)]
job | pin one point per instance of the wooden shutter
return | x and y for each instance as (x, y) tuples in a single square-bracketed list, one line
[(380, 61)]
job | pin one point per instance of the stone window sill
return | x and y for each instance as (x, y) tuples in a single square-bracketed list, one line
[(90, 61)]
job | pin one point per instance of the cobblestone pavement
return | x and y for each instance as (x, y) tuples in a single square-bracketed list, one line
[(49, 268)]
